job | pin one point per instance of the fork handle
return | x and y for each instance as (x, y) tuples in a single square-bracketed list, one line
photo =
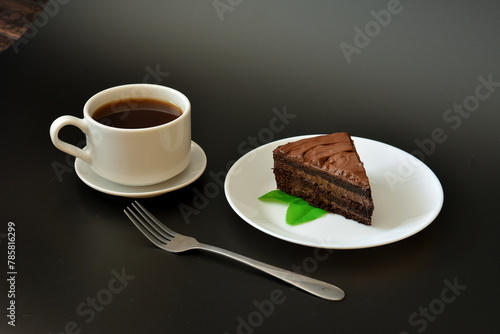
[(311, 285)]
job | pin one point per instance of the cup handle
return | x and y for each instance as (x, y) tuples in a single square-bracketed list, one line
[(57, 125)]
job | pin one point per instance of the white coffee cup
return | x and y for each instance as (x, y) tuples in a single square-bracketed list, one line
[(132, 157)]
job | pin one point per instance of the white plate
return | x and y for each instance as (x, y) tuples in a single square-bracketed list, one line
[(407, 197), (192, 172)]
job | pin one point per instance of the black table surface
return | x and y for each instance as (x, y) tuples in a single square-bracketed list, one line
[(418, 75)]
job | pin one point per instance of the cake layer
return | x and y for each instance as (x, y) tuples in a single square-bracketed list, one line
[(319, 175), (318, 197), (334, 186)]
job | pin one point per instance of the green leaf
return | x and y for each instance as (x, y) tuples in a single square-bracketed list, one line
[(278, 195), (299, 212)]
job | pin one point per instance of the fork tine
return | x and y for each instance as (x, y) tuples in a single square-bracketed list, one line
[(159, 224), (145, 228)]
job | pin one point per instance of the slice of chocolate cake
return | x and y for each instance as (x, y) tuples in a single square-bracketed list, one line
[(326, 172)]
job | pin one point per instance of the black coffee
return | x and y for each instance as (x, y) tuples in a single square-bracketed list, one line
[(136, 114)]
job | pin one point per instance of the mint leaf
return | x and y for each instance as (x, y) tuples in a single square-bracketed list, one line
[(278, 195), (299, 211)]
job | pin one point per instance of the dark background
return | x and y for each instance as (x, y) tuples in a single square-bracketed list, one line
[(237, 61)]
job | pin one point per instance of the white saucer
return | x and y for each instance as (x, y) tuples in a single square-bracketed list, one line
[(406, 193), (192, 172)]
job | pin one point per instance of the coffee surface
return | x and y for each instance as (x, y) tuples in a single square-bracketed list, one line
[(136, 114)]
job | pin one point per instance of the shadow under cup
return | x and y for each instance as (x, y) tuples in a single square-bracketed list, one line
[(140, 156)]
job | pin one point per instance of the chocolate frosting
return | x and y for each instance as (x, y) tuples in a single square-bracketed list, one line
[(334, 153)]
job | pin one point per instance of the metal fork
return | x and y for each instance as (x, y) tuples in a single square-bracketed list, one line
[(168, 240)]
